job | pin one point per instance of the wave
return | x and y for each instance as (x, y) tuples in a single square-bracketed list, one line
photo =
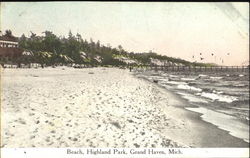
[(240, 108), (202, 75), (183, 86), (240, 85), (176, 83), (218, 97), (217, 92), (188, 79), (192, 98), (216, 78), (174, 76)]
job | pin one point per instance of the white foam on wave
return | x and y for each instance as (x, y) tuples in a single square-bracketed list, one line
[(241, 75), (192, 98), (216, 78), (163, 79), (158, 78), (182, 86), (147, 77), (176, 83), (219, 97), (174, 76), (164, 74), (201, 75), (217, 92), (240, 85), (240, 108), (187, 79), (226, 122)]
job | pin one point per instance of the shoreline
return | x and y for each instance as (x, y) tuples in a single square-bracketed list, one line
[(218, 138), (99, 107)]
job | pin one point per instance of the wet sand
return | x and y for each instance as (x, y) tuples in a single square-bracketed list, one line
[(98, 107)]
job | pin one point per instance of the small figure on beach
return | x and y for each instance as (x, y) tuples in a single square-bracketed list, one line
[(130, 68)]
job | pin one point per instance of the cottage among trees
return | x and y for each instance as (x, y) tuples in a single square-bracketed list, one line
[(9, 48)]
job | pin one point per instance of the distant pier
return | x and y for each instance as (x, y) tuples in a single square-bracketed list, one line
[(196, 68)]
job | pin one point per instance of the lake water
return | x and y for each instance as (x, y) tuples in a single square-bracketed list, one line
[(222, 98)]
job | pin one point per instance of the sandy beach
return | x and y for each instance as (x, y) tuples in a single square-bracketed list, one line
[(98, 107)]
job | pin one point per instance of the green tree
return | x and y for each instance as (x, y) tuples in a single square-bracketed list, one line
[(8, 33)]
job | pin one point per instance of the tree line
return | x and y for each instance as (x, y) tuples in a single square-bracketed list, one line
[(50, 49)]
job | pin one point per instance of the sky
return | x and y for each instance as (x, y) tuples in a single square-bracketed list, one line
[(189, 31)]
